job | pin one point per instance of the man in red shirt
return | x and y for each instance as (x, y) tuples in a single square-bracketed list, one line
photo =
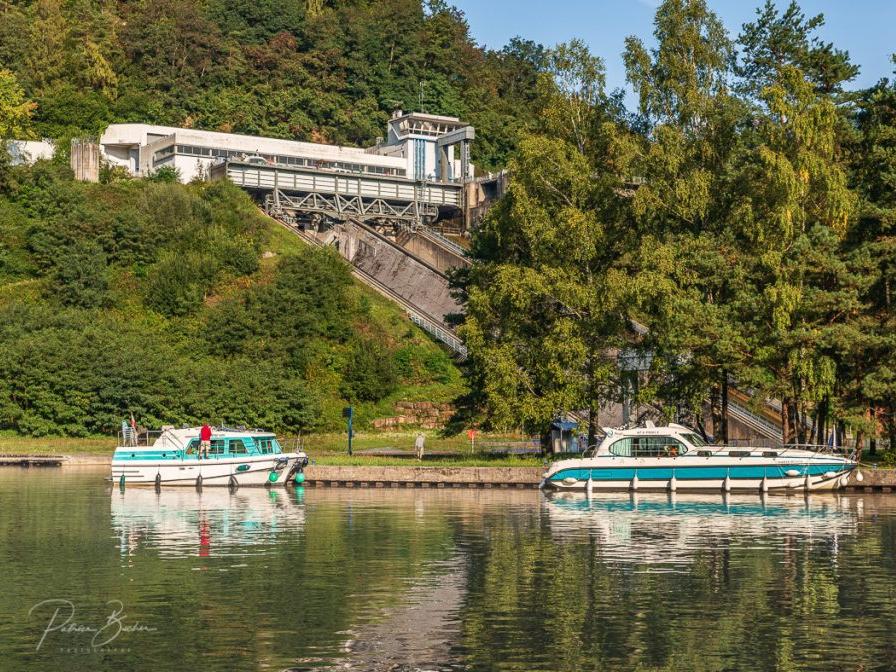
[(205, 440)]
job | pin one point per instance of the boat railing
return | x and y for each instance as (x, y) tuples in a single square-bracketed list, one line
[(138, 438), (780, 449), (820, 448)]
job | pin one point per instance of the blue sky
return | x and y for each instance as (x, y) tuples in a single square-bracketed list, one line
[(865, 28)]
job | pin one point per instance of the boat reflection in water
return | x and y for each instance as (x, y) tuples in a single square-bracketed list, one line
[(214, 522), (656, 528)]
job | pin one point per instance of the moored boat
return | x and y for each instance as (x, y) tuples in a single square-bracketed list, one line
[(235, 457), (677, 458)]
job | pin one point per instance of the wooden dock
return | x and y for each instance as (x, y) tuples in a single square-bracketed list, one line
[(32, 460)]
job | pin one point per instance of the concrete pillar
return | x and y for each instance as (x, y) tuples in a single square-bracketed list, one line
[(443, 163), (85, 160)]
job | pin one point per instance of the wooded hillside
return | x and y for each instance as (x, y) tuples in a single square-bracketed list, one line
[(320, 70), (183, 303)]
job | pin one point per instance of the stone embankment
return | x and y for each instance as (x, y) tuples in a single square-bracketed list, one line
[(873, 480), (425, 414), (424, 477)]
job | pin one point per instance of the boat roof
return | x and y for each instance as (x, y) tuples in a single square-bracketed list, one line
[(182, 435), (648, 429)]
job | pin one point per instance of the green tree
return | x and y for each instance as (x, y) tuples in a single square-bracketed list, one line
[(682, 272), (369, 374), (80, 275), (15, 109), (871, 389), (778, 38), (543, 305)]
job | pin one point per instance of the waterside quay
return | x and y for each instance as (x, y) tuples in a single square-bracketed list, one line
[(419, 476)]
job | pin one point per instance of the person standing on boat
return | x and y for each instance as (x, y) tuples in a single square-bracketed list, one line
[(418, 446), (205, 440)]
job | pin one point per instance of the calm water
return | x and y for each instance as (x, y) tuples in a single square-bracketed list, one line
[(439, 580)]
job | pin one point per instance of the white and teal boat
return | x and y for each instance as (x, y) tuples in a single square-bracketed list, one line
[(236, 457), (677, 458)]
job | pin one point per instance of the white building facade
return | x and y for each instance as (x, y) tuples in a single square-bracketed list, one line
[(26, 152), (419, 147)]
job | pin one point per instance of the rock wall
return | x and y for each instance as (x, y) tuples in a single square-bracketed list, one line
[(425, 414)]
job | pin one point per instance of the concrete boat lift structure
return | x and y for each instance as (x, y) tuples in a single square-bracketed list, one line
[(377, 205)]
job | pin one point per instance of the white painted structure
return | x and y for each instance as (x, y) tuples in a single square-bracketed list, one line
[(26, 152), (419, 147)]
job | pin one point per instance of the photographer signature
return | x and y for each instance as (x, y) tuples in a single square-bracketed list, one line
[(62, 620)]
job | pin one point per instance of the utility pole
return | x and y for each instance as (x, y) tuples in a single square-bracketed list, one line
[(348, 414)]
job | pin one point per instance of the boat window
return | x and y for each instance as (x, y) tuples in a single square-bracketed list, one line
[(739, 453), (695, 440), (770, 453), (192, 447), (704, 453), (264, 446), (216, 447), (648, 446), (237, 447)]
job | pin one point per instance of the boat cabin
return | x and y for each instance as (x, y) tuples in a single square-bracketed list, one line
[(183, 444), (670, 441)]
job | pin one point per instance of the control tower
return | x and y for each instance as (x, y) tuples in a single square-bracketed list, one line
[(436, 148)]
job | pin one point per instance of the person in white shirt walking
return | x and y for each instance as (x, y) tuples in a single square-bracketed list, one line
[(418, 446)]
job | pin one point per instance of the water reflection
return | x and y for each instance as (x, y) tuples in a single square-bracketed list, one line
[(215, 522), (445, 579), (668, 528)]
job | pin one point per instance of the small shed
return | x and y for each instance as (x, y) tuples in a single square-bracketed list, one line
[(563, 436)]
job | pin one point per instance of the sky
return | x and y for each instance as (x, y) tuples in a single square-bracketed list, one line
[(865, 28)]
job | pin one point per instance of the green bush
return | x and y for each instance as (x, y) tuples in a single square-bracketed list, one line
[(79, 276), (370, 374), (148, 298)]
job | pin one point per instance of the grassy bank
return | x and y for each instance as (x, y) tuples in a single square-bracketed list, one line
[(324, 448), (55, 445)]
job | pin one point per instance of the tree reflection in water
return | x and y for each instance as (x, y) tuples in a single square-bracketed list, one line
[(377, 579)]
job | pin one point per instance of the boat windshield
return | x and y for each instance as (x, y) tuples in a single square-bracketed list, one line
[(695, 440)]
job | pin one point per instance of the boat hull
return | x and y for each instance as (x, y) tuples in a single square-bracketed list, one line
[(741, 477), (249, 470)]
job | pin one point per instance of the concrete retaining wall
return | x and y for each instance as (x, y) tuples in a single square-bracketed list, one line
[(430, 476), (432, 253), (873, 480), (414, 281)]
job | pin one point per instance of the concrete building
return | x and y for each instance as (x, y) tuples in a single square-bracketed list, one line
[(419, 147), (26, 152)]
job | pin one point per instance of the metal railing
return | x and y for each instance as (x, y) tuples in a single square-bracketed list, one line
[(754, 421), (129, 438), (448, 244)]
